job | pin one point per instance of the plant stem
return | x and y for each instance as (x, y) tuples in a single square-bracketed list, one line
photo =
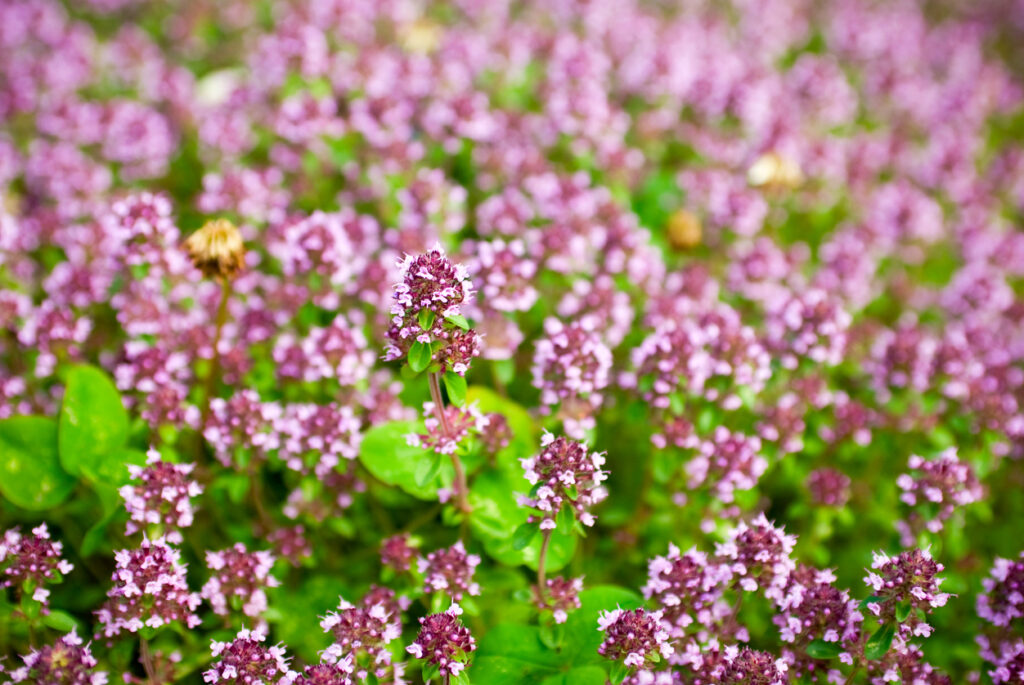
[(542, 583), (147, 661), (213, 376), (853, 673), (461, 489)]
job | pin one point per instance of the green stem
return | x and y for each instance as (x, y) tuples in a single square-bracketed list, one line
[(214, 375), (853, 673), (542, 562), (461, 488), (147, 661)]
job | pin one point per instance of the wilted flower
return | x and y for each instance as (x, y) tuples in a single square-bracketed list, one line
[(217, 249)]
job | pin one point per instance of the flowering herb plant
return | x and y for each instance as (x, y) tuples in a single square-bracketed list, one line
[(368, 342)]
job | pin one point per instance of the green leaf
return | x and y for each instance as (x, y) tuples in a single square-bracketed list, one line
[(93, 422), (456, 386), (819, 649), (457, 319), (425, 319), (61, 621), (387, 454), (619, 673), (523, 535), (510, 654), (583, 675), (419, 356), (879, 643), (428, 470), (903, 611), (30, 472), (565, 518)]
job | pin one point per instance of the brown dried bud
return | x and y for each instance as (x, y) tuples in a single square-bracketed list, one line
[(217, 249), (684, 230)]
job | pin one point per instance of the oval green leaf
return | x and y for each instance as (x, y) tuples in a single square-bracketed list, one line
[(30, 472), (93, 423)]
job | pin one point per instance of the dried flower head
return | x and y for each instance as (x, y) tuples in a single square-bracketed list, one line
[(217, 249), (684, 230)]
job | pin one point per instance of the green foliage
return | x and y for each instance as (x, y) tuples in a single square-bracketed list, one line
[(31, 475), (93, 427), (388, 456)]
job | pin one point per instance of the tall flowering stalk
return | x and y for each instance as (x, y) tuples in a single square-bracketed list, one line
[(217, 250), (566, 481), (429, 331)]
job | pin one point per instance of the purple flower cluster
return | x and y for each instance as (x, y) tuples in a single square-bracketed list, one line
[(759, 556), (238, 575), (162, 498), (361, 637), (564, 474), (150, 590), (29, 562), (427, 309), (561, 595), (634, 637), (909, 580), (450, 570), (934, 490), (570, 367), (444, 642), (246, 661), (66, 662)]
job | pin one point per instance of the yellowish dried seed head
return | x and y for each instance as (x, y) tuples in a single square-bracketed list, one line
[(772, 171), (217, 249), (421, 36), (684, 230)]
